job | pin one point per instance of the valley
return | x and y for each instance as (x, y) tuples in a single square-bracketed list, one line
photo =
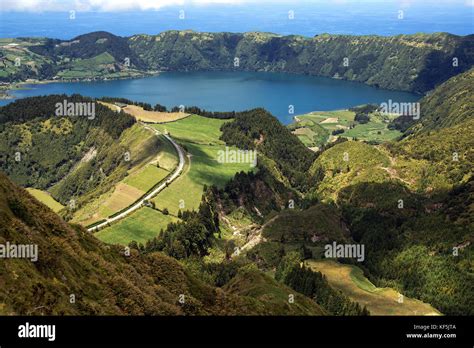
[(236, 172), (200, 138), (147, 198)]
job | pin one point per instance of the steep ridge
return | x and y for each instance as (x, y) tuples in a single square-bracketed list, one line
[(411, 202), (72, 264), (415, 63), (451, 104)]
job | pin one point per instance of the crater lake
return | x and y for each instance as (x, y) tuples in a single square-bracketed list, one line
[(284, 95)]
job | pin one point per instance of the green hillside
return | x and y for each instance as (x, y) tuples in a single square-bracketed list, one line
[(79, 161), (410, 203), (449, 105), (97, 55), (104, 281), (416, 63), (260, 131)]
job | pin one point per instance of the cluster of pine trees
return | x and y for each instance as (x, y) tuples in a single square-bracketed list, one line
[(258, 129), (192, 236)]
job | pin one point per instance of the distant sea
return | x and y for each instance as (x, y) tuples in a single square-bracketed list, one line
[(310, 18)]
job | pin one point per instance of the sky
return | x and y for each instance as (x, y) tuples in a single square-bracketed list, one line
[(66, 19)]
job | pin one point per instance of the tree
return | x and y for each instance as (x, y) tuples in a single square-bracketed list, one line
[(159, 108), (362, 118)]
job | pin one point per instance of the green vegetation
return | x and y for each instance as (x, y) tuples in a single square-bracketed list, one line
[(98, 55), (194, 129), (346, 163), (108, 282), (257, 235), (415, 63), (310, 132), (408, 202), (249, 282), (101, 164), (193, 236), (46, 199), (448, 105), (303, 231), (293, 273), (351, 282), (314, 129), (258, 130), (146, 178), (200, 137), (25, 123), (140, 226), (405, 62)]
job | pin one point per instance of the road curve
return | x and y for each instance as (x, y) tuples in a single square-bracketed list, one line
[(138, 204)]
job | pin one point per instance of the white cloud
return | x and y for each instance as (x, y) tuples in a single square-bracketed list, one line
[(144, 5), (100, 5)]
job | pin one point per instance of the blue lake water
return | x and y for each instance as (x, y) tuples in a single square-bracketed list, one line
[(226, 91)]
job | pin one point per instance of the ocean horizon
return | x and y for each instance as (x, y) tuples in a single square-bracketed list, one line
[(302, 18)]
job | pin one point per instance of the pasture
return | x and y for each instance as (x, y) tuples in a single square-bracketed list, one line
[(379, 301), (45, 198), (310, 134), (153, 116), (140, 226), (200, 137)]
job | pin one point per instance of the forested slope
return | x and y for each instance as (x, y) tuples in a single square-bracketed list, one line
[(411, 202), (103, 279), (415, 63)]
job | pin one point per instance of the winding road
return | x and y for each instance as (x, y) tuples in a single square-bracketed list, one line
[(138, 204)]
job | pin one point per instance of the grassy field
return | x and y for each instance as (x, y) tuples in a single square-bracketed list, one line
[(45, 197), (167, 158), (379, 301), (13, 51), (153, 116), (123, 196), (108, 203), (375, 131), (311, 133), (140, 226), (308, 127), (146, 178), (194, 129), (146, 150), (200, 136)]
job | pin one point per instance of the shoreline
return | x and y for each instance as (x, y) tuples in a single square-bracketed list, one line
[(5, 90)]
